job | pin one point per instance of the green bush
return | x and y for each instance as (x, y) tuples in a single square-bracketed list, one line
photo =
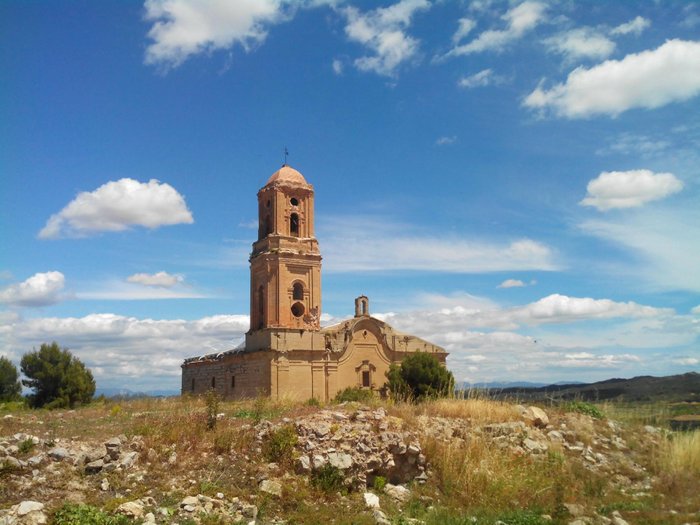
[(59, 379), (211, 399), (26, 446), (328, 479), (279, 445), (10, 387), (584, 408), (379, 483), (420, 376), (72, 514), (354, 394)]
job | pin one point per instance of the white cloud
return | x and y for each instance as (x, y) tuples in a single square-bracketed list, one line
[(483, 78), (629, 189), (127, 351), (182, 28), (383, 32), (464, 28), (512, 283), (41, 289), (119, 205), (686, 361), (696, 310), (634, 26), (665, 242), (633, 144), (160, 279), (519, 20), (445, 140), (337, 67), (581, 43), (650, 79), (486, 342), (377, 244)]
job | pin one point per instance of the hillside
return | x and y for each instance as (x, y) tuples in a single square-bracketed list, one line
[(677, 388), (447, 462)]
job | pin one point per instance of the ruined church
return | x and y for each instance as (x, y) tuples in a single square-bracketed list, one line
[(286, 351)]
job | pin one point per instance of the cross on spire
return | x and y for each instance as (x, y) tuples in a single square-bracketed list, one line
[(286, 154)]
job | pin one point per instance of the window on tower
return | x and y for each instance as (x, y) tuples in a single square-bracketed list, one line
[(297, 309), (294, 224), (298, 292)]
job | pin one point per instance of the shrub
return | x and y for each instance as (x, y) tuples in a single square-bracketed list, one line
[(211, 399), (279, 445), (58, 378), (26, 446), (72, 514), (328, 478), (354, 394), (584, 408), (420, 376), (379, 483), (313, 402), (10, 387)]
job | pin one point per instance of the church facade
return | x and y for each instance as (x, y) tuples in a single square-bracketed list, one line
[(286, 351)]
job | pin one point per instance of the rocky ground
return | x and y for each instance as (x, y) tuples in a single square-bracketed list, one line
[(374, 464)]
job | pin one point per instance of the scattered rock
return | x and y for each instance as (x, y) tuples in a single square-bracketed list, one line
[(536, 416), (398, 492), (371, 500), (271, 487), (131, 509)]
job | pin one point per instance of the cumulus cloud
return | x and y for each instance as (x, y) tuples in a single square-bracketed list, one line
[(41, 289), (581, 43), (519, 20), (650, 79), (489, 342), (377, 244), (634, 26), (337, 67), (127, 351), (512, 283), (159, 279), (483, 78), (182, 28), (119, 205), (382, 30), (629, 189)]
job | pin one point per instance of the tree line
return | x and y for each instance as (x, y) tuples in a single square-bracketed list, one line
[(57, 378)]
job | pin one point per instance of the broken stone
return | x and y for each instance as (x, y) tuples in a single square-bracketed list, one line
[(58, 454), (131, 509), (371, 500), (340, 460), (94, 466), (271, 487), (398, 492), (536, 416)]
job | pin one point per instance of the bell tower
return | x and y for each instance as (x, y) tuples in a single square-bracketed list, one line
[(285, 266)]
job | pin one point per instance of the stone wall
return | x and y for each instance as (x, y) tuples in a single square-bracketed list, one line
[(232, 376)]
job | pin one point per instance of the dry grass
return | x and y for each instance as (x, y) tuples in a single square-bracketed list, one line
[(473, 477), (680, 454)]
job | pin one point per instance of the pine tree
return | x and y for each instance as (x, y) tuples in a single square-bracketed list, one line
[(10, 387), (58, 378)]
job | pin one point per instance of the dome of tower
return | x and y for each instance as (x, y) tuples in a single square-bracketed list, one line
[(287, 174)]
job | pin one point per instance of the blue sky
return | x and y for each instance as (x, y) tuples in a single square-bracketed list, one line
[(518, 182)]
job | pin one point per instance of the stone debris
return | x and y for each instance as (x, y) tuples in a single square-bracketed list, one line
[(362, 443), (371, 500), (271, 487)]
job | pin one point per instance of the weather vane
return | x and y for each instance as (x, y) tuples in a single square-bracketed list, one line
[(286, 154)]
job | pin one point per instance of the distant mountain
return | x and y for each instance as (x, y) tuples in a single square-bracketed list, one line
[(682, 387), (512, 384), (125, 392)]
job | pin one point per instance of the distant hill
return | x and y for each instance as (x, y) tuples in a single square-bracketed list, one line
[(126, 393), (513, 384), (682, 387)]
